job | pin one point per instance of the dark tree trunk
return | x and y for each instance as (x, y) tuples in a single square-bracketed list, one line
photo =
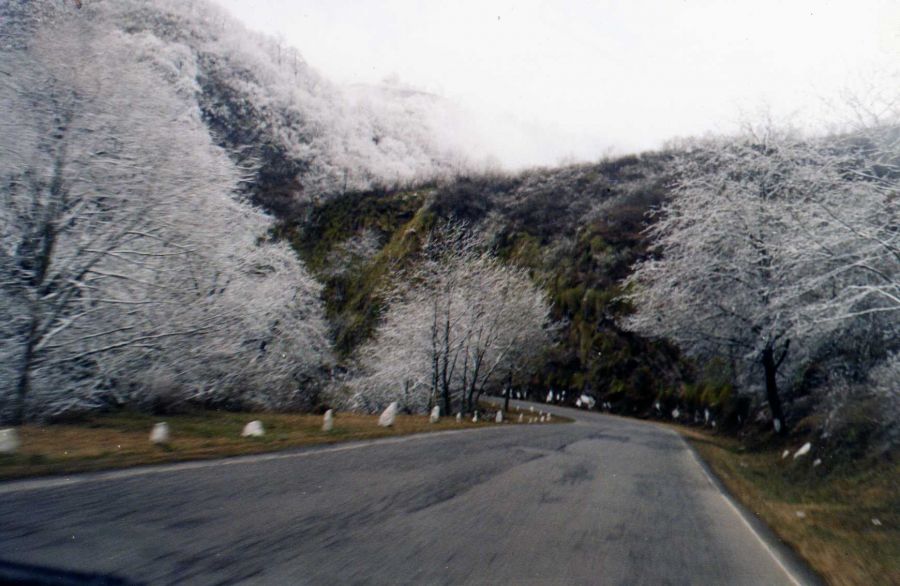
[(23, 385), (770, 365), (508, 392)]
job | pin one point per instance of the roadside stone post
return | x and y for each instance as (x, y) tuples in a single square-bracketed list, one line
[(388, 416), (160, 434), (9, 441)]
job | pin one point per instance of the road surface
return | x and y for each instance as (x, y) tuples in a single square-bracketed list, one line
[(603, 500)]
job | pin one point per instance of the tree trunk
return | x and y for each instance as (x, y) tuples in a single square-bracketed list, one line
[(771, 368), (23, 385), (508, 392)]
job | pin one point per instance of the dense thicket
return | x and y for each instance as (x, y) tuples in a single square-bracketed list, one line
[(130, 273)]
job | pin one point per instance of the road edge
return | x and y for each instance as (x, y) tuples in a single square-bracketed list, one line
[(793, 564), (47, 482)]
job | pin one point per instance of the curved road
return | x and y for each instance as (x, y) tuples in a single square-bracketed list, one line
[(603, 500)]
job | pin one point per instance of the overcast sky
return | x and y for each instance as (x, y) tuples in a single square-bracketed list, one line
[(555, 80)]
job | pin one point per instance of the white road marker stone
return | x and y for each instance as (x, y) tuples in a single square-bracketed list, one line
[(803, 450), (548, 416), (435, 414), (876, 522), (706, 415), (817, 462), (475, 417), (388, 416), (800, 515), (254, 429), (520, 418), (777, 424), (785, 454), (675, 413), (328, 420), (9, 441), (458, 417), (499, 418), (160, 434)]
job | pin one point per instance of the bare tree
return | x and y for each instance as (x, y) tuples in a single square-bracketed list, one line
[(459, 321)]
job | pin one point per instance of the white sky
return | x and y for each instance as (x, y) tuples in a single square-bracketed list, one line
[(547, 81)]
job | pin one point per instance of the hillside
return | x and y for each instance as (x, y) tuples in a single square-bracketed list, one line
[(576, 229), (302, 137)]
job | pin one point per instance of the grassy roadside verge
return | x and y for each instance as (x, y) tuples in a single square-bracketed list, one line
[(121, 440), (845, 523)]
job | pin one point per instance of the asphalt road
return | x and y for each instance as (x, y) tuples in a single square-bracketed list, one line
[(603, 500)]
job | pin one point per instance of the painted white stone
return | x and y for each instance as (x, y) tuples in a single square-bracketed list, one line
[(785, 454), (160, 434), (520, 418), (706, 415), (458, 417), (543, 419), (876, 522), (531, 408), (328, 420), (549, 415), (777, 424), (254, 429), (9, 441), (817, 462), (675, 413), (388, 415), (435, 414), (578, 402), (499, 418), (800, 515), (658, 406), (475, 417), (550, 397), (803, 450), (588, 401)]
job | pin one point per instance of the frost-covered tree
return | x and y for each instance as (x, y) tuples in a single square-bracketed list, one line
[(458, 322), (770, 240), (121, 239), (846, 235)]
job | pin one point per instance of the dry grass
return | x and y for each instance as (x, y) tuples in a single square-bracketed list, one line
[(122, 440), (835, 532)]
